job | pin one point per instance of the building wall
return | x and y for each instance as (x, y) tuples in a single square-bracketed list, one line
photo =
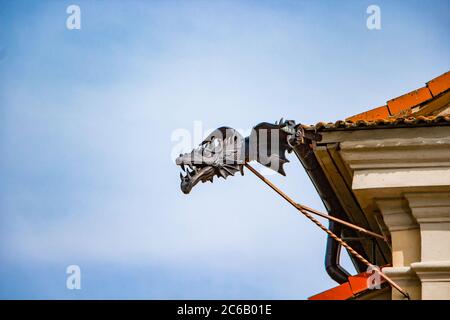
[(403, 175)]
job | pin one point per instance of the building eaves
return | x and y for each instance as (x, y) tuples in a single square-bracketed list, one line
[(419, 121)]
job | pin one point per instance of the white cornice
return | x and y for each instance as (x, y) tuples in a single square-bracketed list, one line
[(397, 153), (396, 214), (435, 271), (430, 207)]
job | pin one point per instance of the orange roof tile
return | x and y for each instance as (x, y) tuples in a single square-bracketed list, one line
[(381, 123), (404, 105), (355, 286), (341, 292), (439, 84), (409, 100), (377, 113), (358, 283)]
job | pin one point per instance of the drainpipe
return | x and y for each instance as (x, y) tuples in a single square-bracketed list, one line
[(332, 255)]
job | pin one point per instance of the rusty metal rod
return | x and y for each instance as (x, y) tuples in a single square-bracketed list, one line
[(303, 210), (321, 214), (343, 222)]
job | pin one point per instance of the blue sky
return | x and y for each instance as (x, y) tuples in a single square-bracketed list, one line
[(86, 124)]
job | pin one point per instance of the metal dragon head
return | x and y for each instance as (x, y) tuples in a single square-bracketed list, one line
[(220, 154), (224, 152)]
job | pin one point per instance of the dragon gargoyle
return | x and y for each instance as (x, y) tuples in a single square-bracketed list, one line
[(224, 152)]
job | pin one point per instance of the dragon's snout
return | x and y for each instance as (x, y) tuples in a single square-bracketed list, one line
[(192, 172), (215, 156)]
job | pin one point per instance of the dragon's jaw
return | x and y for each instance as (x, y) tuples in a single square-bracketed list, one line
[(218, 155), (194, 171), (195, 168), (193, 177)]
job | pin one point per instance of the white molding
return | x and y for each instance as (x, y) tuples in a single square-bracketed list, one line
[(396, 214), (396, 153), (430, 207), (401, 178), (432, 271), (400, 273)]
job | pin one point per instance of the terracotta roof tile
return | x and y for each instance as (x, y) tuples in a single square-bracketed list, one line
[(377, 113), (358, 283), (355, 286), (409, 100), (341, 292), (381, 123), (439, 84), (406, 105)]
